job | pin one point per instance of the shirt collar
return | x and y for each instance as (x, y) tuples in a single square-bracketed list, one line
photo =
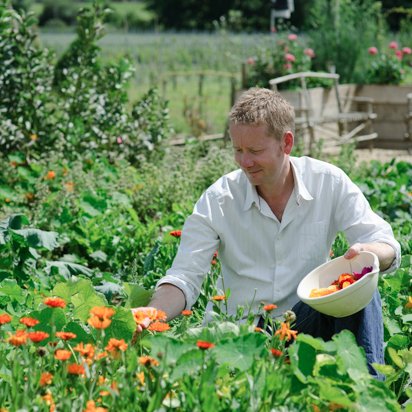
[(252, 196), (300, 190)]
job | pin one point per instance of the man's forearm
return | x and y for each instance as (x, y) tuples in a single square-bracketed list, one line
[(385, 252), (170, 299)]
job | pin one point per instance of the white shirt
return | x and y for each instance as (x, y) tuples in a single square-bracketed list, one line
[(262, 259)]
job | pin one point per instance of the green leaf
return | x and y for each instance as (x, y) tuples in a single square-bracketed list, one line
[(240, 351), (398, 341), (137, 295), (122, 326), (14, 222), (317, 343), (99, 255), (189, 364), (10, 289), (50, 318), (333, 394), (37, 238), (391, 326), (169, 348), (82, 332), (82, 295), (67, 269), (395, 358), (302, 360), (350, 357)]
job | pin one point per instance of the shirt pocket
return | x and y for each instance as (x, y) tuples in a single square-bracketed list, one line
[(312, 242)]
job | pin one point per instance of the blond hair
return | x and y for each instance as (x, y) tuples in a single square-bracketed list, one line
[(259, 106)]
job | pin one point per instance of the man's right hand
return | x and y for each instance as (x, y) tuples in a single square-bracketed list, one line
[(144, 316)]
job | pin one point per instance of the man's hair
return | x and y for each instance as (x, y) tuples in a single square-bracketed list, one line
[(259, 106)]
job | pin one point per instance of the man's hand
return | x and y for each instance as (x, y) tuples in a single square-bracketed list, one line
[(144, 316), (385, 252), (354, 250)]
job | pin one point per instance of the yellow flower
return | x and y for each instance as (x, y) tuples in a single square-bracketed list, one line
[(408, 304)]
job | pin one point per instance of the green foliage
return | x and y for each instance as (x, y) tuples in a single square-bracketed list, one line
[(77, 105), (340, 31), (25, 84)]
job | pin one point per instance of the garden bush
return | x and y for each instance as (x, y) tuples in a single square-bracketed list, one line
[(77, 104)]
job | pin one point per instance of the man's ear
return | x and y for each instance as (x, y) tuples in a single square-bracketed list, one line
[(287, 142)]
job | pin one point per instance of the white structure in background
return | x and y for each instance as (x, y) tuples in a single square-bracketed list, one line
[(281, 9)]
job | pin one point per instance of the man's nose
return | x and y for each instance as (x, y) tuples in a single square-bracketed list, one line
[(245, 160)]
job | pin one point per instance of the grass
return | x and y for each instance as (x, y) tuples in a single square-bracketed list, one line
[(158, 57)]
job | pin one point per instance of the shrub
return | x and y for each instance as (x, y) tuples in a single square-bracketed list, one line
[(289, 55), (388, 66), (75, 105)]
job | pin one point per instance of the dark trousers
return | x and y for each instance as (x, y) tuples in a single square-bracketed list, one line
[(366, 325)]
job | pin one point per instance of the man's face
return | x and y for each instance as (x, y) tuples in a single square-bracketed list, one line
[(260, 156)]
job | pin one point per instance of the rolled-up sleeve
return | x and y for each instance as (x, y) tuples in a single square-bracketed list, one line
[(198, 242), (360, 223)]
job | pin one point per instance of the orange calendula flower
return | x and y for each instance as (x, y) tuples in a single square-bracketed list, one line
[(176, 233), (55, 302), (285, 332), (140, 377), (37, 336), (5, 318), (99, 323), (187, 312), (408, 304), (29, 322), (46, 378), (276, 352), (219, 298), (87, 351), (269, 307), (148, 361), (91, 407), (50, 175), (75, 369), (66, 335), (48, 398), (115, 345), (18, 339), (158, 326), (102, 312), (204, 345), (62, 354), (144, 316)]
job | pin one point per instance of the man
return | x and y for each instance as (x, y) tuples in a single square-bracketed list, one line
[(273, 221)]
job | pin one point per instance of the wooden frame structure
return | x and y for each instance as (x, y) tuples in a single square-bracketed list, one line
[(322, 114)]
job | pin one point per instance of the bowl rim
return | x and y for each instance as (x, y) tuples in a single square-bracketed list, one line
[(364, 280)]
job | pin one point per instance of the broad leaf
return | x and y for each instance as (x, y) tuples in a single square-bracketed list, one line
[(302, 360), (122, 326), (67, 269), (10, 289), (37, 238), (82, 295), (240, 351), (350, 357), (137, 295)]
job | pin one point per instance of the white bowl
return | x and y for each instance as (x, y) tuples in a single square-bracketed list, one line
[(349, 300)]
